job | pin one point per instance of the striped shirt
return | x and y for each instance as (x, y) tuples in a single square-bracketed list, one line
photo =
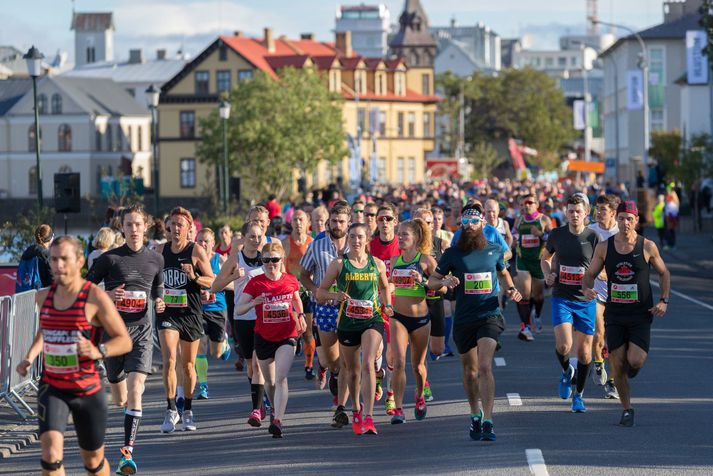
[(319, 255)]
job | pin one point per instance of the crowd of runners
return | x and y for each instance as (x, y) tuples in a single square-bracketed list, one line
[(348, 285)]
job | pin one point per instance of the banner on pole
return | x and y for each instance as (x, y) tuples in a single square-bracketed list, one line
[(634, 89), (696, 61)]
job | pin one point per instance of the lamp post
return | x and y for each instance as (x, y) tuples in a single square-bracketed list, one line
[(616, 113), (34, 68), (152, 97), (224, 110)]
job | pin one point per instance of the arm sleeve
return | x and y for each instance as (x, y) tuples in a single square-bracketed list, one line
[(551, 242), (99, 270)]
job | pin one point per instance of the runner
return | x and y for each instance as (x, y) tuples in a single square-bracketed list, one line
[(358, 211), (605, 226), (320, 217), (214, 316), (412, 322), (572, 247), (473, 262), (186, 270), (629, 312), (132, 275), (531, 228), (224, 248), (274, 295), (370, 211), (359, 278), (73, 313), (492, 218)]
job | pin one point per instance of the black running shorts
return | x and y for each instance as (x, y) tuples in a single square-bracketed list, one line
[(620, 330), (466, 336), (214, 325), (264, 349), (353, 338), (189, 328), (438, 320), (137, 360), (245, 334)]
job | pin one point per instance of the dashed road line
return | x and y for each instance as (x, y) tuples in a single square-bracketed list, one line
[(514, 399), (687, 298), (536, 462), (499, 361)]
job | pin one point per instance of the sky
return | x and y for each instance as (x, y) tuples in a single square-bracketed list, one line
[(193, 24)]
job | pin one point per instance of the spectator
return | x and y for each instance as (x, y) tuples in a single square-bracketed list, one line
[(103, 242), (273, 208), (34, 270), (671, 218), (158, 234)]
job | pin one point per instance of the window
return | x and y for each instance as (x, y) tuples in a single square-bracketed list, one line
[(64, 138), (361, 120), (188, 173), (32, 180), (412, 124), (562, 61), (334, 81), (400, 125), (119, 138), (56, 104), (427, 125), (426, 84), (109, 138), (91, 54), (400, 170), (536, 61), (549, 62), (222, 81), (223, 53), (244, 74), (188, 124), (381, 170), (399, 87), (131, 92), (98, 140), (31, 142), (202, 80), (411, 172), (129, 138), (140, 139), (573, 61), (380, 84), (382, 123), (657, 120), (42, 104), (65, 169), (414, 58)]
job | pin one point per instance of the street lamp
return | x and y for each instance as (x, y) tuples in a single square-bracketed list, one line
[(224, 110), (600, 64), (152, 97), (34, 68)]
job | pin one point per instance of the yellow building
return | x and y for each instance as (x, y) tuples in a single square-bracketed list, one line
[(395, 106)]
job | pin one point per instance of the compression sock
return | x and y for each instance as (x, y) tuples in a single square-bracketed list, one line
[(132, 419), (582, 374), (523, 309), (171, 404), (309, 348), (202, 368), (563, 360), (256, 393), (188, 404), (538, 306)]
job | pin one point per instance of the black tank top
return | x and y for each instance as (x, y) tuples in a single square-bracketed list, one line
[(181, 295), (628, 281)]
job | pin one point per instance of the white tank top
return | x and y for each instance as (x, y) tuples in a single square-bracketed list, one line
[(601, 286), (250, 272), (501, 227)]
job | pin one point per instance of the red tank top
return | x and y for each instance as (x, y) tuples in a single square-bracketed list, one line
[(219, 249), (63, 368), (385, 251)]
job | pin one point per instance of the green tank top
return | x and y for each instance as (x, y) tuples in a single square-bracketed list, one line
[(362, 286), (529, 246), (404, 283)]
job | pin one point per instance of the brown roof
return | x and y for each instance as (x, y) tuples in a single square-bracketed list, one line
[(98, 21), (285, 61)]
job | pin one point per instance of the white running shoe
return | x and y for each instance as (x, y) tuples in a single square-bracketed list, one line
[(169, 421), (600, 374), (526, 334), (188, 423)]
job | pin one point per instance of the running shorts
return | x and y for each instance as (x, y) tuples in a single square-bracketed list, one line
[(437, 312), (353, 338), (214, 325), (581, 314), (245, 334), (137, 360), (531, 266), (411, 323), (326, 317), (264, 349), (621, 330), (466, 336), (189, 328)]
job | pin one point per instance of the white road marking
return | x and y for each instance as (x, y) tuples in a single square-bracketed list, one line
[(514, 399), (499, 361), (536, 462), (687, 298)]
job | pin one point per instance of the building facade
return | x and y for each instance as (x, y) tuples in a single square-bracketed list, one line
[(369, 26), (93, 37), (465, 50)]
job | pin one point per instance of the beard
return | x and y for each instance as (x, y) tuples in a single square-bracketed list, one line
[(470, 240), (337, 234)]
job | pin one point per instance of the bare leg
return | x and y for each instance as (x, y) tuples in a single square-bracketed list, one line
[(351, 372), (52, 450), (169, 350), (284, 357), (370, 341), (419, 346), (469, 361), (486, 380), (188, 357), (399, 344)]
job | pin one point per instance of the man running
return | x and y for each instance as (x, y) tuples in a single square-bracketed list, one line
[(73, 312), (629, 312), (133, 276), (572, 246), (186, 270), (478, 320), (370, 211)]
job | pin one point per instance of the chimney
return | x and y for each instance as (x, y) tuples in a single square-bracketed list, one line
[(136, 56), (344, 43), (307, 36), (269, 40), (238, 34), (161, 54)]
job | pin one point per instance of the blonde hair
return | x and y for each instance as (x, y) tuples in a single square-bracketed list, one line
[(423, 234), (105, 238), (274, 247)]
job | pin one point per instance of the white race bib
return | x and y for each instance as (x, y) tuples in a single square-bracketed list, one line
[(133, 301), (360, 309), (402, 278), (530, 241), (61, 358), (478, 283), (572, 275), (275, 312)]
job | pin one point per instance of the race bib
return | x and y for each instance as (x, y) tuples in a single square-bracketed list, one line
[(360, 309), (275, 312), (478, 283), (175, 298), (61, 358), (402, 278), (572, 275), (624, 293), (133, 301), (207, 297), (530, 241)]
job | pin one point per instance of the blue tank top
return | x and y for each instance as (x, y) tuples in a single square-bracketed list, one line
[(216, 301)]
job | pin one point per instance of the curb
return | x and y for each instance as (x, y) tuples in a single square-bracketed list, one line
[(15, 439)]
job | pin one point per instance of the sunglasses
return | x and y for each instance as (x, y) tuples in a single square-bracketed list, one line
[(468, 221), (270, 260), (529, 202), (371, 215), (386, 218), (356, 210)]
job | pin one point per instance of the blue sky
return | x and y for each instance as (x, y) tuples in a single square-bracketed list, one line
[(153, 24)]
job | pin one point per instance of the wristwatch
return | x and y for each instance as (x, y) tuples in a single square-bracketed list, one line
[(664, 300), (301, 314), (512, 288), (102, 350)]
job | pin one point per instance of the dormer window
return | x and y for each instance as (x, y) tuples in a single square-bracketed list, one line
[(399, 83)]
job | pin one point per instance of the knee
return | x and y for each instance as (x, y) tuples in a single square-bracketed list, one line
[(563, 348), (189, 367), (636, 362), (485, 369), (170, 363), (399, 363), (470, 373), (94, 461)]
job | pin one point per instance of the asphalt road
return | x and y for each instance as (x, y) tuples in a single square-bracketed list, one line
[(672, 396)]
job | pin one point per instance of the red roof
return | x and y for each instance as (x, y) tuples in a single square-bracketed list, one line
[(410, 96), (324, 62), (295, 61), (350, 63), (373, 63)]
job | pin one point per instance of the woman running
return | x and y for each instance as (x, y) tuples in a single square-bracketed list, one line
[(274, 295), (360, 278)]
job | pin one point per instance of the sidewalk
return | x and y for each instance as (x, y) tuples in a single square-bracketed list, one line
[(16, 433), (692, 249)]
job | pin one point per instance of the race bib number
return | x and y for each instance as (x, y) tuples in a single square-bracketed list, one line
[(402, 278), (275, 312), (624, 293), (175, 298), (572, 275), (133, 301), (530, 241), (207, 297), (478, 283), (61, 358), (360, 309)]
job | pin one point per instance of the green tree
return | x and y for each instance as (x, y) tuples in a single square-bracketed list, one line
[(274, 128), (666, 149), (17, 235), (697, 161), (483, 157)]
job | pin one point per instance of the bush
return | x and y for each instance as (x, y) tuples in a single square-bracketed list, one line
[(17, 235)]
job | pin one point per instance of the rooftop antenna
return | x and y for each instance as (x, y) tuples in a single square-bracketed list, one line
[(592, 17)]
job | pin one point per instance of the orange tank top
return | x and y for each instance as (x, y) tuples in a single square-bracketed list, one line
[(296, 254)]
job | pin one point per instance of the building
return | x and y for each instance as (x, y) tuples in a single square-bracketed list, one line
[(13, 65), (90, 126), (93, 37), (369, 26), (465, 50), (397, 97), (555, 63)]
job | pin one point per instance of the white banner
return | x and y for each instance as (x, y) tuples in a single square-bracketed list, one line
[(696, 61), (634, 89), (578, 112)]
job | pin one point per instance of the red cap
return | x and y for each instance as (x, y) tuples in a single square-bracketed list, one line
[(627, 207)]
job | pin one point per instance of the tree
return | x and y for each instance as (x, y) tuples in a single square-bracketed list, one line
[(17, 235), (276, 127), (696, 163), (483, 157), (666, 149)]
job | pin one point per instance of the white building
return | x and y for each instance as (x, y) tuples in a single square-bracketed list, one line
[(465, 50), (93, 37), (556, 63), (370, 26)]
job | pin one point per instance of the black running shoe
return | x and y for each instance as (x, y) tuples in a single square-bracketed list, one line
[(627, 418), (488, 433), (275, 429), (476, 428), (340, 418)]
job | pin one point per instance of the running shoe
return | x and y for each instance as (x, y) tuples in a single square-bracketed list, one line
[(600, 374), (537, 320), (525, 334), (610, 390), (379, 393), (275, 428), (357, 423), (578, 404), (189, 423), (390, 403), (240, 364), (566, 383), (420, 411), (488, 434), (126, 463), (169, 421), (225, 356), (321, 378), (433, 356), (179, 405), (398, 417), (263, 411), (255, 418), (202, 391), (427, 393), (340, 418), (309, 373), (627, 418), (369, 427), (448, 352), (266, 407), (476, 428)]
